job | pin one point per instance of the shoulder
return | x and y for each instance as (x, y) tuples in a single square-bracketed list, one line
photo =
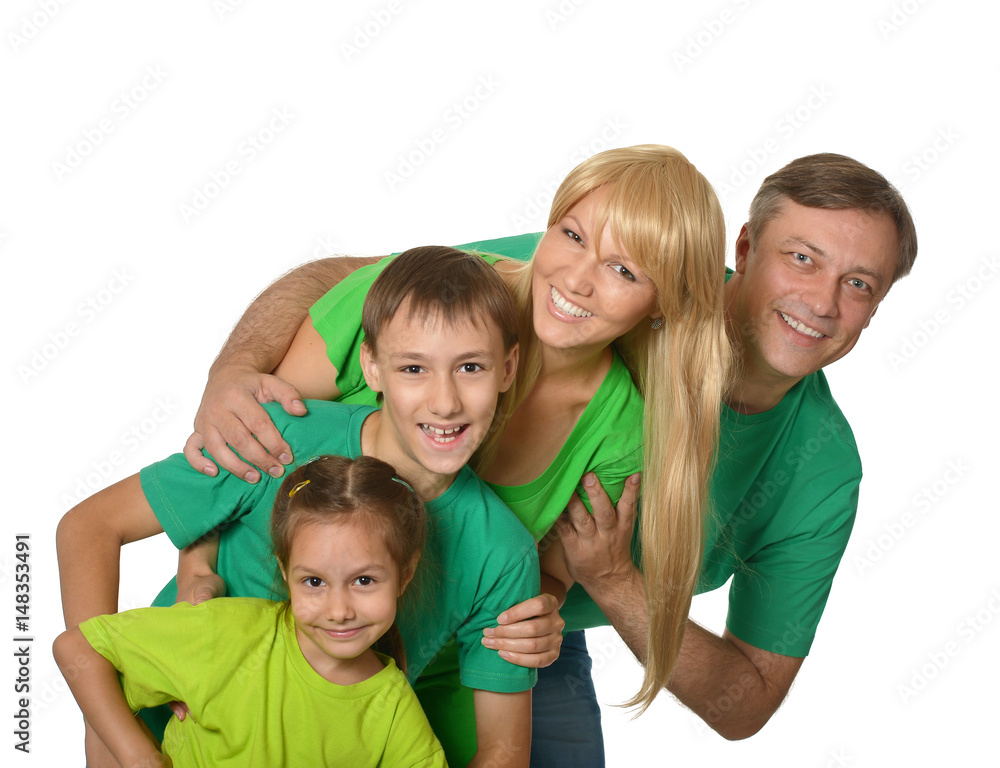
[(322, 416)]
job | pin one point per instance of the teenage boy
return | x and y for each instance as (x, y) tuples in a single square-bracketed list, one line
[(439, 359)]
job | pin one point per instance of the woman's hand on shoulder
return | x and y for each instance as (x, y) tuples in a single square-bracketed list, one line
[(529, 634)]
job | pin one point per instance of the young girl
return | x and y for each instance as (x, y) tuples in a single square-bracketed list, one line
[(291, 683)]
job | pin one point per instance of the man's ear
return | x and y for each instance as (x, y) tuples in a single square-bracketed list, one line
[(509, 368), (370, 368), (872, 314), (742, 249)]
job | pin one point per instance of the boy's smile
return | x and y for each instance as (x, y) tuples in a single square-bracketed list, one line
[(440, 384)]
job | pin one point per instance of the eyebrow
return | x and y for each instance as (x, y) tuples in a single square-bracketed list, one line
[(820, 252), (418, 357), (369, 568), (579, 224)]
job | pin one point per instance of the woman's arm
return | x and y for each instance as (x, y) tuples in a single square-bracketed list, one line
[(94, 682), (240, 378)]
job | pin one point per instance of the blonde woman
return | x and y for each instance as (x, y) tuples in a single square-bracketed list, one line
[(623, 362)]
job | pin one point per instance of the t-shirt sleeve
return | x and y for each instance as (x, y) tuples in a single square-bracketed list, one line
[(778, 596), (412, 743), (188, 503), (483, 667), (155, 651)]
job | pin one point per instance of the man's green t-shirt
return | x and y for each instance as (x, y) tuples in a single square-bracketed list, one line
[(253, 697), (478, 561), (784, 496)]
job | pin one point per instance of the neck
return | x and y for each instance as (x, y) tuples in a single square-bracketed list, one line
[(579, 367), (377, 443), (755, 388)]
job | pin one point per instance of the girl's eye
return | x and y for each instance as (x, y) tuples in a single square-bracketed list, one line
[(471, 367), (314, 581), (364, 581)]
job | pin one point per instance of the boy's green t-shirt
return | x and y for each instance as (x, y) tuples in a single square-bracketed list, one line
[(253, 697), (784, 495), (478, 561)]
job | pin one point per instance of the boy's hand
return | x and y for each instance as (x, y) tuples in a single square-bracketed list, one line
[(529, 634), (198, 589)]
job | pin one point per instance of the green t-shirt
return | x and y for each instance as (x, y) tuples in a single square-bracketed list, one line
[(784, 496), (478, 561), (253, 697), (606, 440)]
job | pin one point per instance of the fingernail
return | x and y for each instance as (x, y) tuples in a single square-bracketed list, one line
[(285, 458), (489, 642), (252, 476), (210, 471), (588, 479), (502, 618), (276, 471), (635, 479), (488, 632)]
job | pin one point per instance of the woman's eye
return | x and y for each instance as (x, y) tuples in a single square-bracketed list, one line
[(573, 235), (623, 271)]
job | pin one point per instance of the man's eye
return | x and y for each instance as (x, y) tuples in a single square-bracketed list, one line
[(861, 285), (801, 258)]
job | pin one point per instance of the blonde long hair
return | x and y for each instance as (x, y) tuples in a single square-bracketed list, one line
[(667, 217)]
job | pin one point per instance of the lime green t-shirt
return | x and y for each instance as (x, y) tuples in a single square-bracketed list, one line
[(253, 697), (477, 563)]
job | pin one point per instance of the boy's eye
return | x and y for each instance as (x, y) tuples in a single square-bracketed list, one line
[(412, 369)]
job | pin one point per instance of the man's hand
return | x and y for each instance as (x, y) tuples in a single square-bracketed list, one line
[(598, 547), (230, 415), (529, 634)]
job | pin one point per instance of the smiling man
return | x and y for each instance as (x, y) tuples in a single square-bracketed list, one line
[(827, 237)]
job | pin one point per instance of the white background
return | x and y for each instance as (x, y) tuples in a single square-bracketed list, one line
[(116, 115)]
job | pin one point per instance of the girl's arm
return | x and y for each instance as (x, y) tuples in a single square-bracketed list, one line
[(94, 682)]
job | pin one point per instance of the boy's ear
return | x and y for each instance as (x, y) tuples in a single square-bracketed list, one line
[(509, 368), (370, 368), (407, 576)]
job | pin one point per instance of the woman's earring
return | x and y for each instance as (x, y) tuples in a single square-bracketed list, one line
[(655, 323)]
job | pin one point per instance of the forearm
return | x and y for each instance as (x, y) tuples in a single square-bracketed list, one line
[(94, 683), (712, 677), (264, 333), (503, 729)]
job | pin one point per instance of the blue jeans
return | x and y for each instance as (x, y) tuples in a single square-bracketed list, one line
[(565, 716)]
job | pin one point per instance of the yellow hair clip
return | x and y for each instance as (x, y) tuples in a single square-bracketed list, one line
[(298, 488)]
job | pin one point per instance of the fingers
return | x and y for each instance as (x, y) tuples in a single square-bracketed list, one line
[(629, 501), (194, 456), (530, 651), (179, 708), (280, 391), (542, 605)]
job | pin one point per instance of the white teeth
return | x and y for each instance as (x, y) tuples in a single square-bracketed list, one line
[(565, 306), (441, 435), (800, 327)]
